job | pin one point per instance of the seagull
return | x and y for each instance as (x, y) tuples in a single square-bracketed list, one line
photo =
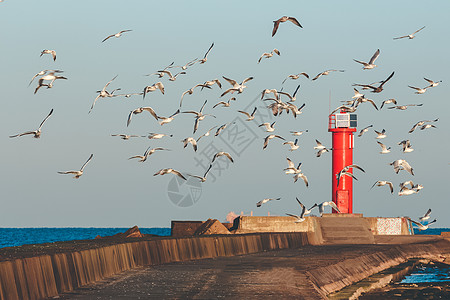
[(307, 211), (302, 176), (375, 89), (387, 102), (297, 133), (421, 226), (326, 73), (80, 172), (103, 93), (191, 91), (269, 127), (269, 55), (119, 34), (426, 126), (304, 212), (221, 153), (161, 73), (269, 137), (363, 100), (221, 128), (192, 62), (426, 216), (370, 64), (204, 59), (171, 77), (291, 98), (380, 135), (125, 136), (191, 140), (344, 171), (206, 134), (319, 146), (236, 87), (402, 164), (321, 151), (293, 145), (147, 153), (165, 120), (384, 150), (364, 130), (406, 146), (291, 169), (268, 91), (345, 109), (36, 133), (295, 76), (265, 201), (282, 20), (421, 123), (357, 94), (212, 82), (432, 83), (202, 179), (403, 107), (158, 135), (404, 184), (199, 116), (405, 191), (51, 77), (154, 87), (140, 110), (43, 72), (383, 183), (52, 52), (224, 104), (419, 90), (169, 171), (330, 203), (409, 36), (251, 116)]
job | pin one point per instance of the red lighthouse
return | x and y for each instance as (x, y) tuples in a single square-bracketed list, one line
[(342, 126)]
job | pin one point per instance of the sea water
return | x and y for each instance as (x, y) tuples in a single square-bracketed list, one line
[(10, 237), (429, 273)]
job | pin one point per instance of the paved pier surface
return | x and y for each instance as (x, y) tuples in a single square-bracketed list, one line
[(291, 273)]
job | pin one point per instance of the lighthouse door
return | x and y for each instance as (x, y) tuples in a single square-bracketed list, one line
[(342, 199)]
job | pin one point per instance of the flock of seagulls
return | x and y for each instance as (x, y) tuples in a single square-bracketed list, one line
[(281, 102)]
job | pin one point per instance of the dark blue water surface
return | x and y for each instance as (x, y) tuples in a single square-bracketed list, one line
[(428, 273), (10, 237), (431, 231)]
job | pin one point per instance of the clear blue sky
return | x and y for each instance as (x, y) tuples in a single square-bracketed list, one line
[(115, 191)]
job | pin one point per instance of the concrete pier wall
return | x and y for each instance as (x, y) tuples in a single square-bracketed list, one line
[(48, 275)]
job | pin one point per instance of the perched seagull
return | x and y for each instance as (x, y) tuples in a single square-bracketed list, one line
[(426, 126), (199, 116), (236, 87), (380, 135), (426, 216), (52, 52), (165, 120), (432, 83), (269, 137), (269, 55), (191, 91), (206, 134), (291, 169), (403, 107), (406, 146), (169, 171), (147, 153), (293, 145), (409, 36), (419, 90), (202, 179), (251, 116), (297, 133), (36, 133), (190, 140), (384, 149), (376, 89), (321, 151), (80, 172), (326, 73), (140, 110), (154, 136), (370, 64), (282, 20), (291, 98), (103, 93), (204, 59), (221, 153), (387, 102), (265, 201), (295, 76), (221, 128), (402, 164), (383, 183), (330, 203), (119, 34), (364, 130), (345, 170), (269, 127), (126, 136), (421, 226), (154, 87)]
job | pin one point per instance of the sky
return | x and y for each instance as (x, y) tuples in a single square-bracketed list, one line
[(117, 192)]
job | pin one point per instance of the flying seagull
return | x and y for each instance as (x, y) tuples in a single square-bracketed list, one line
[(376, 89), (251, 116), (80, 172), (324, 73), (295, 76), (330, 203), (370, 64), (52, 52), (383, 183), (282, 20), (37, 133), (119, 34), (204, 59), (147, 153), (421, 226), (410, 36), (426, 216), (202, 179), (169, 171), (402, 164), (265, 201), (269, 54)]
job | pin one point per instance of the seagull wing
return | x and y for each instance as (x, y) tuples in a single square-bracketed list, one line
[(374, 57), (275, 27), (231, 81), (294, 20), (110, 36), (333, 205), (178, 174), (89, 159), (48, 116), (418, 30), (151, 111)]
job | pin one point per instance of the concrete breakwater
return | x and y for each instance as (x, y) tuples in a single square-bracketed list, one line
[(48, 275)]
